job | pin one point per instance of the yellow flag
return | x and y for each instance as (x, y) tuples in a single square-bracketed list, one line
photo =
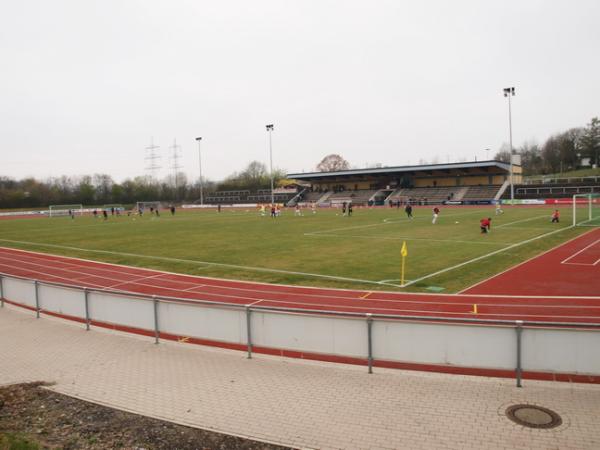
[(404, 251)]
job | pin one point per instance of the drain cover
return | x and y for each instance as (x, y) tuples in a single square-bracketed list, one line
[(533, 416)]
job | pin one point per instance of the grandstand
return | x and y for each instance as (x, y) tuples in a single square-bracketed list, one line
[(468, 182), (245, 196)]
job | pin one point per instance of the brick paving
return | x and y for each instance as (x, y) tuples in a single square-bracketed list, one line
[(297, 403)]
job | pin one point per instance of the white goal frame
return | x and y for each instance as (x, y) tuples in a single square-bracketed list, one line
[(63, 210), (593, 199), (147, 205)]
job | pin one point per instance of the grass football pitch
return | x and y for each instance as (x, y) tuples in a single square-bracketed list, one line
[(322, 249)]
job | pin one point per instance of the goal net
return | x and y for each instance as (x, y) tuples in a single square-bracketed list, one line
[(145, 206), (64, 210), (586, 210)]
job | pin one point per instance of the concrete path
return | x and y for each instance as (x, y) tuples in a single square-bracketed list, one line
[(291, 402)]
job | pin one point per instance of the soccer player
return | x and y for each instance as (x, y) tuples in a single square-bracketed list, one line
[(408, 211), (499, 209), (555, 216), (349, 209), (297, 211), (436, 213), (485, 225), (105, 214), (172, 210), (313, 207), (344, 209)]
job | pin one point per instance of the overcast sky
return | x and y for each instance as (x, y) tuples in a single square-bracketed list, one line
[(84, 85)]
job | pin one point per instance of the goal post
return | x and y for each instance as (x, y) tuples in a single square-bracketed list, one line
[(63, 210), (142, 206), (586, 210)]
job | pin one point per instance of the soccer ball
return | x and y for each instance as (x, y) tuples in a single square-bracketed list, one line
[(456, 221)]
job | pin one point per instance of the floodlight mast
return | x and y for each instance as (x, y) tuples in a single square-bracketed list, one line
[(270, 130), (198, 139), (510, 92)]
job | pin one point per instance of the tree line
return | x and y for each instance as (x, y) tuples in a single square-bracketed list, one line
[(101, 189), (560, 152)]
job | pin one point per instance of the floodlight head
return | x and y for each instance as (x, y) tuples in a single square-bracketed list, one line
[(270, 127), (509, 91), (199, 138)]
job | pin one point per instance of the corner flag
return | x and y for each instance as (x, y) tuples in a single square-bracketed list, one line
[(404, 250)]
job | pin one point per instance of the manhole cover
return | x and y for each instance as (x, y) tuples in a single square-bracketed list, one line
[(533, 416)]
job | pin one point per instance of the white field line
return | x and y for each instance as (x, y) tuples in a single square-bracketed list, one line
[(462, 292), (208, 263), (479, 258), (564, 261), (384, 222), (42, 257), (404, 238), (520, 221)]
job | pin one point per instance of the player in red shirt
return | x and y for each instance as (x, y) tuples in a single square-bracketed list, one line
[(555, 216), (436, 213), (485, 225)]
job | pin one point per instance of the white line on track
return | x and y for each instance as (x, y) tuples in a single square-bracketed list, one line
[(462, 292), (268, 288), (479, 258), (299, 302), (564, 261), (208, 263), (134, 281)]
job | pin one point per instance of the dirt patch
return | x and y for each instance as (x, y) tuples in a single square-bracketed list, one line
[(56, 421)]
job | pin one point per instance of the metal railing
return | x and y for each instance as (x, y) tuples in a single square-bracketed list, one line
[(517, 325)]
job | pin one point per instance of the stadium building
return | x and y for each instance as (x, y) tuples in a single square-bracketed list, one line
[(454, 183)]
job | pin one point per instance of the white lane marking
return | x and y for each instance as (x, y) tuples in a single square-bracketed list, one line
[(462, 292), (43, 257), (564, 261), (132, 281), (479, 258), (191, 261)]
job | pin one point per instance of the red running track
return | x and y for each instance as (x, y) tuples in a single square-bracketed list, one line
[(572, 269), (543, 304)]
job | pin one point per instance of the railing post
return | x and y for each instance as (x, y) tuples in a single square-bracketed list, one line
[(37, 299), (370, 340), (87, 308), (249, 330), (1, 293), (519, 370), (156, 332)]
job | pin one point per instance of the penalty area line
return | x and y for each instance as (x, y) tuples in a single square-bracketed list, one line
[(204, 263)]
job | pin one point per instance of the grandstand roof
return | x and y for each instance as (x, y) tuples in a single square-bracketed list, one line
[(483, 165)]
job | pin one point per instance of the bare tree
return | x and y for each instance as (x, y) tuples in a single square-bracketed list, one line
[(332, 163)]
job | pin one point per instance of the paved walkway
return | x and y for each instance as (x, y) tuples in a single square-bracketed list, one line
[(291, 402)]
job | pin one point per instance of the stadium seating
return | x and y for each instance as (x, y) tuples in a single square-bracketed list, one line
[(481, 193), (533, 191)]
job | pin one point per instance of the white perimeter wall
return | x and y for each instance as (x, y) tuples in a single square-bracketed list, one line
[(494, 347)]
